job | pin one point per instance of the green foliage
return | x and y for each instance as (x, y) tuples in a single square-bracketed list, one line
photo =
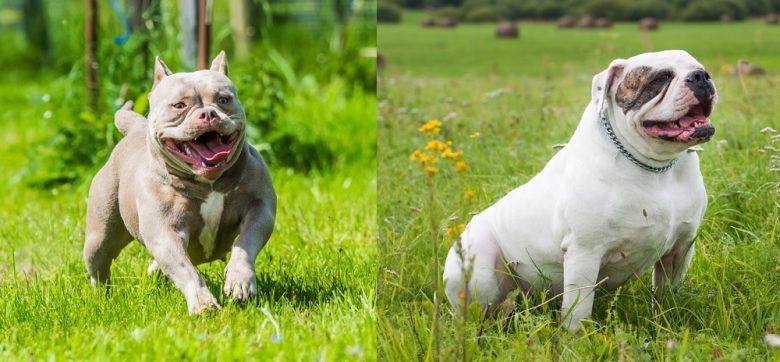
[(758, 7), (388, 12), (635, 10), (449, 12), (549, 9), (710, 10), (470, 5), (620, 9), (612, 9), (269, 83), (482, 14)]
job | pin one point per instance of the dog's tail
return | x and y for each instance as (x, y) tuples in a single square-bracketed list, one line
[(126, 119)]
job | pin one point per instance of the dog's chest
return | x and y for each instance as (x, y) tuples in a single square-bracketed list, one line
[(641, 232), (211, 214)]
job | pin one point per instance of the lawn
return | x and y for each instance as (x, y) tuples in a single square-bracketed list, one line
[(316, 277), (505, 104)]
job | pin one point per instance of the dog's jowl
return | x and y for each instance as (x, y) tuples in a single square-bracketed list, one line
[(186, 184), (625, 194)]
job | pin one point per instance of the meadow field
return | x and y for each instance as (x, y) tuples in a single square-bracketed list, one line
[(505, 104)]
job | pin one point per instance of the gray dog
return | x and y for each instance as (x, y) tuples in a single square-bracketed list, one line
[(184, 183)]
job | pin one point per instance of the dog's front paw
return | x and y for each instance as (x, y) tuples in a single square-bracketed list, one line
[(240, 282), (202, 300)]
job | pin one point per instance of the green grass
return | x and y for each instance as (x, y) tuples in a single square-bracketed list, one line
[(731, 297), (316, 277), (544, 50)]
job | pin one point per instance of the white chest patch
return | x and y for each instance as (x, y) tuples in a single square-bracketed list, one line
[(211, 212)]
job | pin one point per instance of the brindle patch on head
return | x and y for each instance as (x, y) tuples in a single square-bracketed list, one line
[(640, 86), (630, 88)]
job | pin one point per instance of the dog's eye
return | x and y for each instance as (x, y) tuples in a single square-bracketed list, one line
[(223, 100), (179, 105)]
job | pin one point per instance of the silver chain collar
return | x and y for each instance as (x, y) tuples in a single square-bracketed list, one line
[(629, 156)]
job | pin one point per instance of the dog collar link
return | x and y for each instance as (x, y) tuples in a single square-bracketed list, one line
[(629, 156)]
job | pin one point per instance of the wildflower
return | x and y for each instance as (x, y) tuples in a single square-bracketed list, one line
[(438, 146), (455, 231), (448, 153), (422, 157), (475, 135), (431, 127), (468, 195), (430, 170), (461, 166)]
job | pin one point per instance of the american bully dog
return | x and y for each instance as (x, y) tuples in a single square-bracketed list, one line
[(187, 185)]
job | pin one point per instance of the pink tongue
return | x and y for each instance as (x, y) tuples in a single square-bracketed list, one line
[(688, 121), (682, 133), (212, 150)]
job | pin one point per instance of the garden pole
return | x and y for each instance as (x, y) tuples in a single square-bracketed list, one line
[(93, 87), (204, 33)]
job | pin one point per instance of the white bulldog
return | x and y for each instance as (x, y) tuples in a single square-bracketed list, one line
[(624, 194)]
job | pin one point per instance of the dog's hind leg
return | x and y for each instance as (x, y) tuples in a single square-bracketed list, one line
[(489, 281), (672, 267), (106, 234)]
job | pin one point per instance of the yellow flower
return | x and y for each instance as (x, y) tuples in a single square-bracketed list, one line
[(455, 231), (452, 155), (475, 135), (417, 155), (430, 170), (468, 195), (423, 157), (436, 145), (461, 166), (431, 127)]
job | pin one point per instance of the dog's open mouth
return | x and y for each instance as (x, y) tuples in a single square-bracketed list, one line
[(693, 127), (206, 153)]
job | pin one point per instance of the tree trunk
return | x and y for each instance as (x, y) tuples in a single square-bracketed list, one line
[(91, 65), (204, 33), (34, 23)]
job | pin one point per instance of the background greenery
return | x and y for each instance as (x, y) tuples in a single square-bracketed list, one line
[(506, 103), (309, 93), (692, 10)]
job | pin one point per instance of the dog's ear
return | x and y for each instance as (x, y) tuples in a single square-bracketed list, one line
[(160, 71), (603, 82), (219, 64)]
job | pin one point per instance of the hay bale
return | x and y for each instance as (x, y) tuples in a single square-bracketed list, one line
[(566, 22), (726, 18), (507, 29), (649, 24), (603, 23), (428, 23), (587, 21), (447, 22), (744, 68)]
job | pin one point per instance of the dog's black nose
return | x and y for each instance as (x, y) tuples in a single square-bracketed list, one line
[(700, 83)]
